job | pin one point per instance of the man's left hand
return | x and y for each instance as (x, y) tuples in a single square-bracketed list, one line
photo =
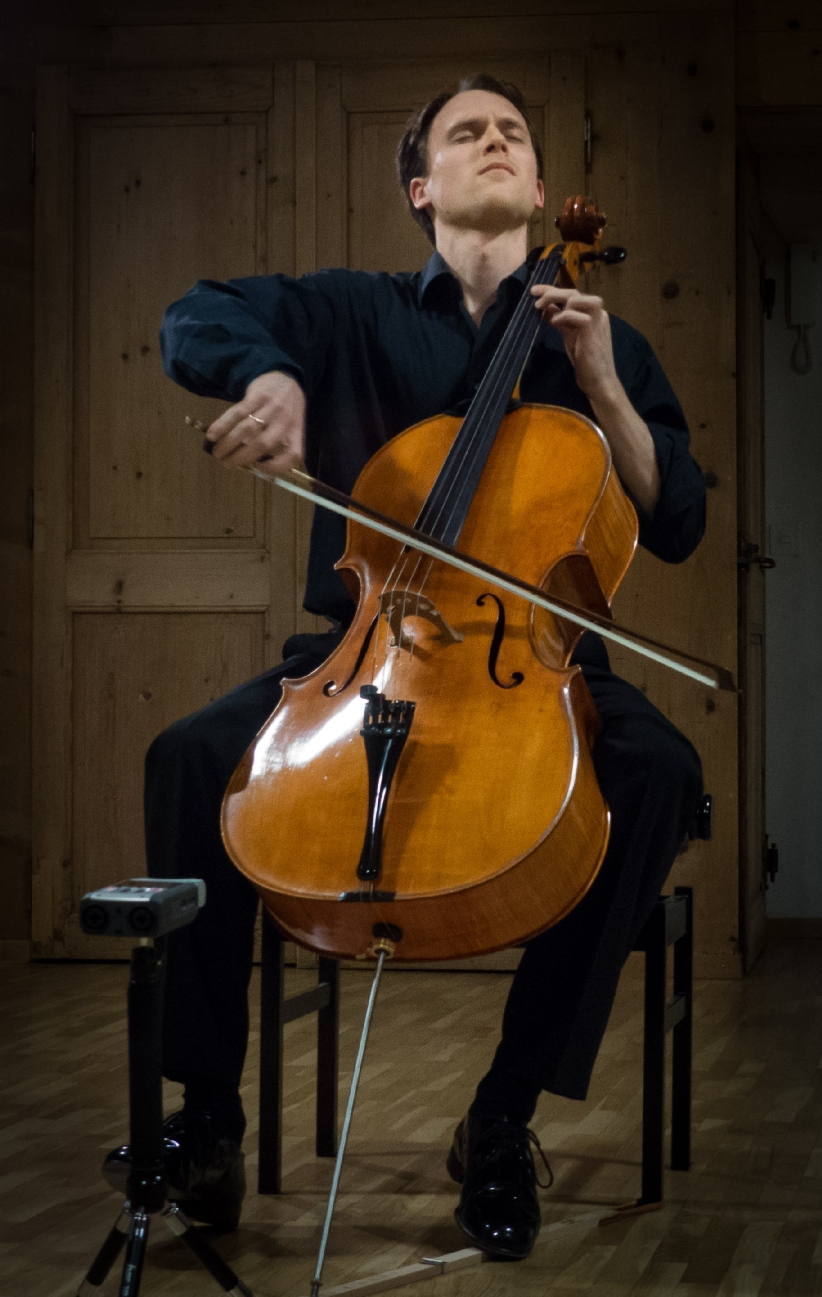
[(586, 331)]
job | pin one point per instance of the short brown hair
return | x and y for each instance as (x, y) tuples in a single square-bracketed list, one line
[(412, 154)]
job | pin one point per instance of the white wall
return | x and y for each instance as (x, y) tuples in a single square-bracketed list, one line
[(793, 457)]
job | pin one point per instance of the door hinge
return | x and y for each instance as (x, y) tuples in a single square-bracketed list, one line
[(770, 860), (749, 556), (767, 291)]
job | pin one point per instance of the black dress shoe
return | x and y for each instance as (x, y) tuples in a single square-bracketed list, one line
[(492, 1159), (205, 1169)]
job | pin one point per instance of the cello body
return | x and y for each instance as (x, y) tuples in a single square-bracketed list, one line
[(494, 825)]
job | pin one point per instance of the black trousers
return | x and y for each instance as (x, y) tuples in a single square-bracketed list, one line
[(563, 990)]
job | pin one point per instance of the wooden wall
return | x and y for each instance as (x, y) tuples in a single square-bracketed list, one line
[(779, 53), (178, 34)]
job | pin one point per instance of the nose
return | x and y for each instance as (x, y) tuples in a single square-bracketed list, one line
[(495, 141)]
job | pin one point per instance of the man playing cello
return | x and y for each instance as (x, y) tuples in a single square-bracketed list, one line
[(322, 371)]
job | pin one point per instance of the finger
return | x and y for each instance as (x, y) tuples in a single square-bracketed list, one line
[(243, 432), (280, 465), (252, 453), (277, 439), (225, 422), (550, 293), (567, 297), (552, 311), (229, 420), (569, 319)]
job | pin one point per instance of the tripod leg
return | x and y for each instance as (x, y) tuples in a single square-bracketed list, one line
[(135, 1254), (101, 1265), (181, 1226)]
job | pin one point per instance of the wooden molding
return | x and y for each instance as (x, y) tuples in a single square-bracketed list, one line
[(53, 396), (15, 952), (169, 579)]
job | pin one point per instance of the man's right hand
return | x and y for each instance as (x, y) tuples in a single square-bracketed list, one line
[(268, 425)]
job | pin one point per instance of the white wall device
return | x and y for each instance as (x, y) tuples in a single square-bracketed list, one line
[(802, 294)]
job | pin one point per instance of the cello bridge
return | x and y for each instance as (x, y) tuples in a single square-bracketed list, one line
[(396, 606)]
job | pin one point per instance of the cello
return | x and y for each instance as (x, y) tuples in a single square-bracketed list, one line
[(431, 784)]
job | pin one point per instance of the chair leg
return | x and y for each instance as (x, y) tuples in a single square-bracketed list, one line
[(683, 1042), (653, 1070), (272, 985), (328, 1034)]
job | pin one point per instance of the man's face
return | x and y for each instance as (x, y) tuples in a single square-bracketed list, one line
[(482, 170)]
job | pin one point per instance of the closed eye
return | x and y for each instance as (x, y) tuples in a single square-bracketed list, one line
[(476, 128)]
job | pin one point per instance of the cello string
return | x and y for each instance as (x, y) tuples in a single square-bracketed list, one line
[(489, 391), (497, 375), (401, 559), (491, 387)]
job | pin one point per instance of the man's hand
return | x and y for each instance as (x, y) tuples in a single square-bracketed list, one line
[(268, 425), (586, 331)]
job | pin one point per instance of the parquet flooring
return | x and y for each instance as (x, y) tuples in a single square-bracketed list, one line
[(745, 1221)]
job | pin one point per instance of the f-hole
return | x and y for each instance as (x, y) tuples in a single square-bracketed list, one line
[(331, 688), (496, 644)]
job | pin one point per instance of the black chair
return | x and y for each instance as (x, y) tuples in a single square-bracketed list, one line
[(275, 1011), (670, 924)]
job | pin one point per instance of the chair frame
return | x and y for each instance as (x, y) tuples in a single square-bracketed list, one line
[(670, 924), (275, 1011)]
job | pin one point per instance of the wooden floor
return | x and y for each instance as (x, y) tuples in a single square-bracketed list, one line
[(746, 1220)]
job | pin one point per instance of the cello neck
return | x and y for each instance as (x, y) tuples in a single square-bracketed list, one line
[(449, 500)]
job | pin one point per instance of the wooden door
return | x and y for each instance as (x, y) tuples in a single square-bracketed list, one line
[(160, 580), (133, 570), (751, 552), (654, 154)]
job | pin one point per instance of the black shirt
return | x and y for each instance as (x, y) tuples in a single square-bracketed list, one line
[(376, 353)]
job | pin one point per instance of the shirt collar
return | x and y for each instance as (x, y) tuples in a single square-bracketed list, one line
[(436, 276)]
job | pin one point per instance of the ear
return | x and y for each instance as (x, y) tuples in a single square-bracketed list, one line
[(540, 203), (418, 193)]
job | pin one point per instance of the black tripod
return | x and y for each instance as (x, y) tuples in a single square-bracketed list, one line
[(147, 1188)]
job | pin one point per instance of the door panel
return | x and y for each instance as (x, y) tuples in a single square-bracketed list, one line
[(134, 674), (381, 232), (160, 579), (143, 191)]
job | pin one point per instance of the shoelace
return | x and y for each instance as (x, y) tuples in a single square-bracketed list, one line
[(505, 1132), (546, 1184)]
